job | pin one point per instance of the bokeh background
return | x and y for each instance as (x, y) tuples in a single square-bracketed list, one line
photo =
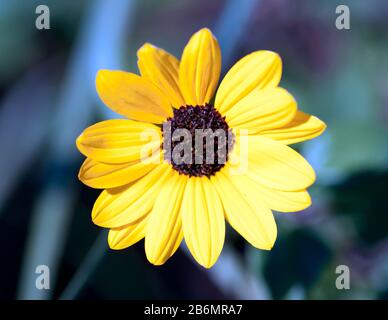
[(47, 97)]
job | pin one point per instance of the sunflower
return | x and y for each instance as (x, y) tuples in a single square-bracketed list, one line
[(148, 194)]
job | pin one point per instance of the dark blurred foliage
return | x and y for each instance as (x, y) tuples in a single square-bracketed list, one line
[(298, 258), (363, 198), (340, 76)]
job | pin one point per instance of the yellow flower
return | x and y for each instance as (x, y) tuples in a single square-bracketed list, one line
[(165, 201)]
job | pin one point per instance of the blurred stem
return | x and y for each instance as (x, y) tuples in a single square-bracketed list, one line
[(86, 269), (24, 145), (231, 276), (98, 46), (232, 25)]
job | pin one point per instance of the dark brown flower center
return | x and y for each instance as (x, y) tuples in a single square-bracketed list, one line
[(196, 140)]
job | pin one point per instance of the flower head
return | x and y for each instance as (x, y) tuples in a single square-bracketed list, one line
[(186, 159)]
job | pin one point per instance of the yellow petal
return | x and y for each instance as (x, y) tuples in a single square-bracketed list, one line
[(274, 199), (122, 206), (102, 175), (302, 127), (119, 141), (132, 96), (124, 237), (249, 218), (272, 163), (262, 109), (161, 68), (164, 227), (203, 221), (258, 70), (200, 68)]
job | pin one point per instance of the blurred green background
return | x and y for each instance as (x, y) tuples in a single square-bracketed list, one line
[(47, 97)]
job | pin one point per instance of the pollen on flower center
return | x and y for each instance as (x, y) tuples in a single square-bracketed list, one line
[(196, 140)]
